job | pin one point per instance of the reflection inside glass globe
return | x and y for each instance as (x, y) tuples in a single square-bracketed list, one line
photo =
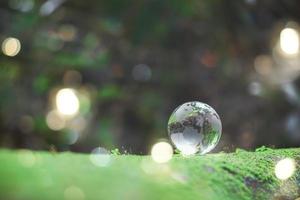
[(194, 127)]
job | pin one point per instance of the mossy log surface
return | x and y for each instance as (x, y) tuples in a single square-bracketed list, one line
[(240, 175)]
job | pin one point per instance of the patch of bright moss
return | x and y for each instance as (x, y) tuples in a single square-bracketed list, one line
[(241, 175)]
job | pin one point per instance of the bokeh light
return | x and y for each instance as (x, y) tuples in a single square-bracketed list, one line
[(292, 126), (71, 137), (263, 65), (11, 46), (142, 72), (161, 152), (78, 124), (67, 102), (22, 5), (255, 88), (100, 157), (55, 121), (250, 2), (291, 92), (27, 158), (74, 193), (50, 6), (285, 168), (67, 32), (289, 41)]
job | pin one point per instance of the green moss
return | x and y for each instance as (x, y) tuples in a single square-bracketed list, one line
[(115, 152), (240, 175), (262, 148)]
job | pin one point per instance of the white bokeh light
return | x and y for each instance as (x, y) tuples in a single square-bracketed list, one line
[(50, 6), (22, 5), (100, 157), (162, 152), (289, 41), (285, 168), (11, 46), (67, 102)]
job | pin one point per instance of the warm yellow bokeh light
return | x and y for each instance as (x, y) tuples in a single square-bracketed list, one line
[(55, 121), (263, 65), (289, 41), (11, 46), (162, 152), (67, 102), (285, 168)]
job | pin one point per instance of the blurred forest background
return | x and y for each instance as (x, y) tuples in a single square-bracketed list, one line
[(76, 74)]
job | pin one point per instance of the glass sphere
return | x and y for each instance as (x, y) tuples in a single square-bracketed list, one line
[(194, 127)]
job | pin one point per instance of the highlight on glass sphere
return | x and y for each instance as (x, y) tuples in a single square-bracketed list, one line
[(194, 127)]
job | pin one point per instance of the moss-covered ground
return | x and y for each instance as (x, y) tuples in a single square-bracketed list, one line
[(241, 175)]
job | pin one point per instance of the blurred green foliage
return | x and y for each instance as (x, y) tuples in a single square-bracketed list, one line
[(194, 50)]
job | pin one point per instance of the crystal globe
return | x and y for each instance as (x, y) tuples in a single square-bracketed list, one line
[(194, 127)]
